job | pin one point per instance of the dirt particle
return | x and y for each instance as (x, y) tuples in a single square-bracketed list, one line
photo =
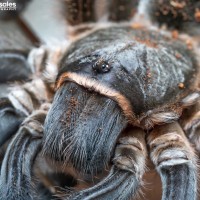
[(136, 25), (149, 74), (178, 5), (177, 55), (72, 104), (147, 42), (197, 15), (165, 10), (189, 44), (181, 85), (175, 34)]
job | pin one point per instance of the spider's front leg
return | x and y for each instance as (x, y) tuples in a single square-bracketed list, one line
[(16, 172), (124, 178), (175, 161)]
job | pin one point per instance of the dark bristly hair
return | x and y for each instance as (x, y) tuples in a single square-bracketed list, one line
[(81, 128)]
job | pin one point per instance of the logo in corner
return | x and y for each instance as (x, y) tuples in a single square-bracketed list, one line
[(8, 6)]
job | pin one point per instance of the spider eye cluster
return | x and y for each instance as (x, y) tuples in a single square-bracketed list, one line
[(101, 66)]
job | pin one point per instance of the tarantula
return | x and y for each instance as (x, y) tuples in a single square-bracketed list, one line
[(104, 102)]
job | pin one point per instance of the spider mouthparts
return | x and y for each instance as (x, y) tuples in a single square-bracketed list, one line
[(86, 126)]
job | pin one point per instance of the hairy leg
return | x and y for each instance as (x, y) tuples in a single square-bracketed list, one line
[(125, 176), (179, 15), (190, 123), (29, 96), (9, 120), (175, 161), (16, 172)]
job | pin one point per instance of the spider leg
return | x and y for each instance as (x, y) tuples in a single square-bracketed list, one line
[(125, 175), (29, 96), (10, 120), (120, 10), (16, 172), (175, 161), (80, 11), (14, 67), (191, 124), (180, 15)]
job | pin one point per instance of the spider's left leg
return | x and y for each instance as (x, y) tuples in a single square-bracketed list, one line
[(175, 161), (125, 177), (16, 180)]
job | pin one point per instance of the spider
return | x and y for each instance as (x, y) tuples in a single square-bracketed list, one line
[(116, 94)]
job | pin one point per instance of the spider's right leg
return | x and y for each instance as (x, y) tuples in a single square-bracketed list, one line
[(179, 15), (190, 123), (125, 176), (80, 11), (175, 161), (16, 180)]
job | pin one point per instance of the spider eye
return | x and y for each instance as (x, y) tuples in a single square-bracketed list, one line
[(105, 67), (101, 67)]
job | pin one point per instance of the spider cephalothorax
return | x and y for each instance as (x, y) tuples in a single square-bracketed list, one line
[(137, 77), (122, 91), (134, 76)]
